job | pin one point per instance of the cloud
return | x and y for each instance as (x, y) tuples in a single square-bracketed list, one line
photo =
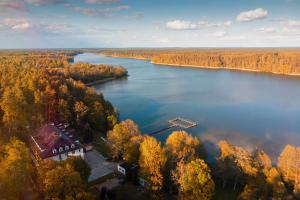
[(135, 16), (189, 25), (181, 25), (57, 28), (290, 31), (11, 4), (24, 25), (106, 12), (219, 34), (209, 24), (17, 24), (294, 22), (44, 2), (267, 30), (102, 1), (252, 15), (227, 23), (285, 32)]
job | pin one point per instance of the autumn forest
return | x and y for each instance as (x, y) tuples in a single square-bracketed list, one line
[(38, 87), (279, 61)]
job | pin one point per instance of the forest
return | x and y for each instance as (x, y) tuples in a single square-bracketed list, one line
[(40, 87), (279, 61), (179, 166), (36, 88)]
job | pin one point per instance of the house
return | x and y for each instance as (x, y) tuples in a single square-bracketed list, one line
[(55, 142), (123, 168), (128, 170)]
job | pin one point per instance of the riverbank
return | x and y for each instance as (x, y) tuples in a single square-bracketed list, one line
[(205, 67), (224, 68), (100, 81)]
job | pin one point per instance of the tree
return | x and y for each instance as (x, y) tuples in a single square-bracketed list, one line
[(132, 149), (183, 147), (152, 161), (80, 166), (112, 120), (278, 189), (289, 167), (279, 61), (81, 111), (15, 170), (62, 181), (120, 136), (194, 180), (263, 160), (64, 111), (235, 162)]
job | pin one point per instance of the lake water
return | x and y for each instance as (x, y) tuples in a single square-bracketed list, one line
[(248, 109)]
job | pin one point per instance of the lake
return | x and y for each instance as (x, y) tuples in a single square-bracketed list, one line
[(253, 110)]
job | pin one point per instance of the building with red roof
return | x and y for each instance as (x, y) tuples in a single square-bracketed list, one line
[(54, 141)]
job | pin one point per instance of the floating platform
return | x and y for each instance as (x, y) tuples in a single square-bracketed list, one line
[(177, 122), (181, 122)]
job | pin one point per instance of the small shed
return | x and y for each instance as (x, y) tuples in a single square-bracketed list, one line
[(128, 170)]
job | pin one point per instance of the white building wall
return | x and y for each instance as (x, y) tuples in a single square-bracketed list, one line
[(121, 170), (63, 156)]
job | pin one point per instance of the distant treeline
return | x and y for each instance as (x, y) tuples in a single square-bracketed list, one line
[(42, 58), (282, 61)]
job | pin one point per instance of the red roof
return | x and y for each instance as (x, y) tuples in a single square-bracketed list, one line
[(51, 140)]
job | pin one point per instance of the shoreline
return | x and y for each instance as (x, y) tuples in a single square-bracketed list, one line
[(225, 68), (103, 81), (206, 67)]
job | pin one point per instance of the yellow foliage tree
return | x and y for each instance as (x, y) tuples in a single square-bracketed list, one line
[(181, 146), (152, 161), (289, 166), (61, 181), (15, 170), (120, 136), (132, 149), (194, 180)]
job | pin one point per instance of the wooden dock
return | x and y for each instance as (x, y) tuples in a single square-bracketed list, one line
[(183, 123), (177, 122)]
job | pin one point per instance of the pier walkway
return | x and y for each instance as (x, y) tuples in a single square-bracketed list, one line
[(177, 122)]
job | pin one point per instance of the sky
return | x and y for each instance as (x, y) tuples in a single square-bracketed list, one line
[(149, 23)]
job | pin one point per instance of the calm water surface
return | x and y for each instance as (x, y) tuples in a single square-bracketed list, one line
[(248, 109)]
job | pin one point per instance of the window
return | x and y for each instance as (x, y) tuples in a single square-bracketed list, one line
[(54, 151), (72, 146), (66, 147), (60, 149)]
